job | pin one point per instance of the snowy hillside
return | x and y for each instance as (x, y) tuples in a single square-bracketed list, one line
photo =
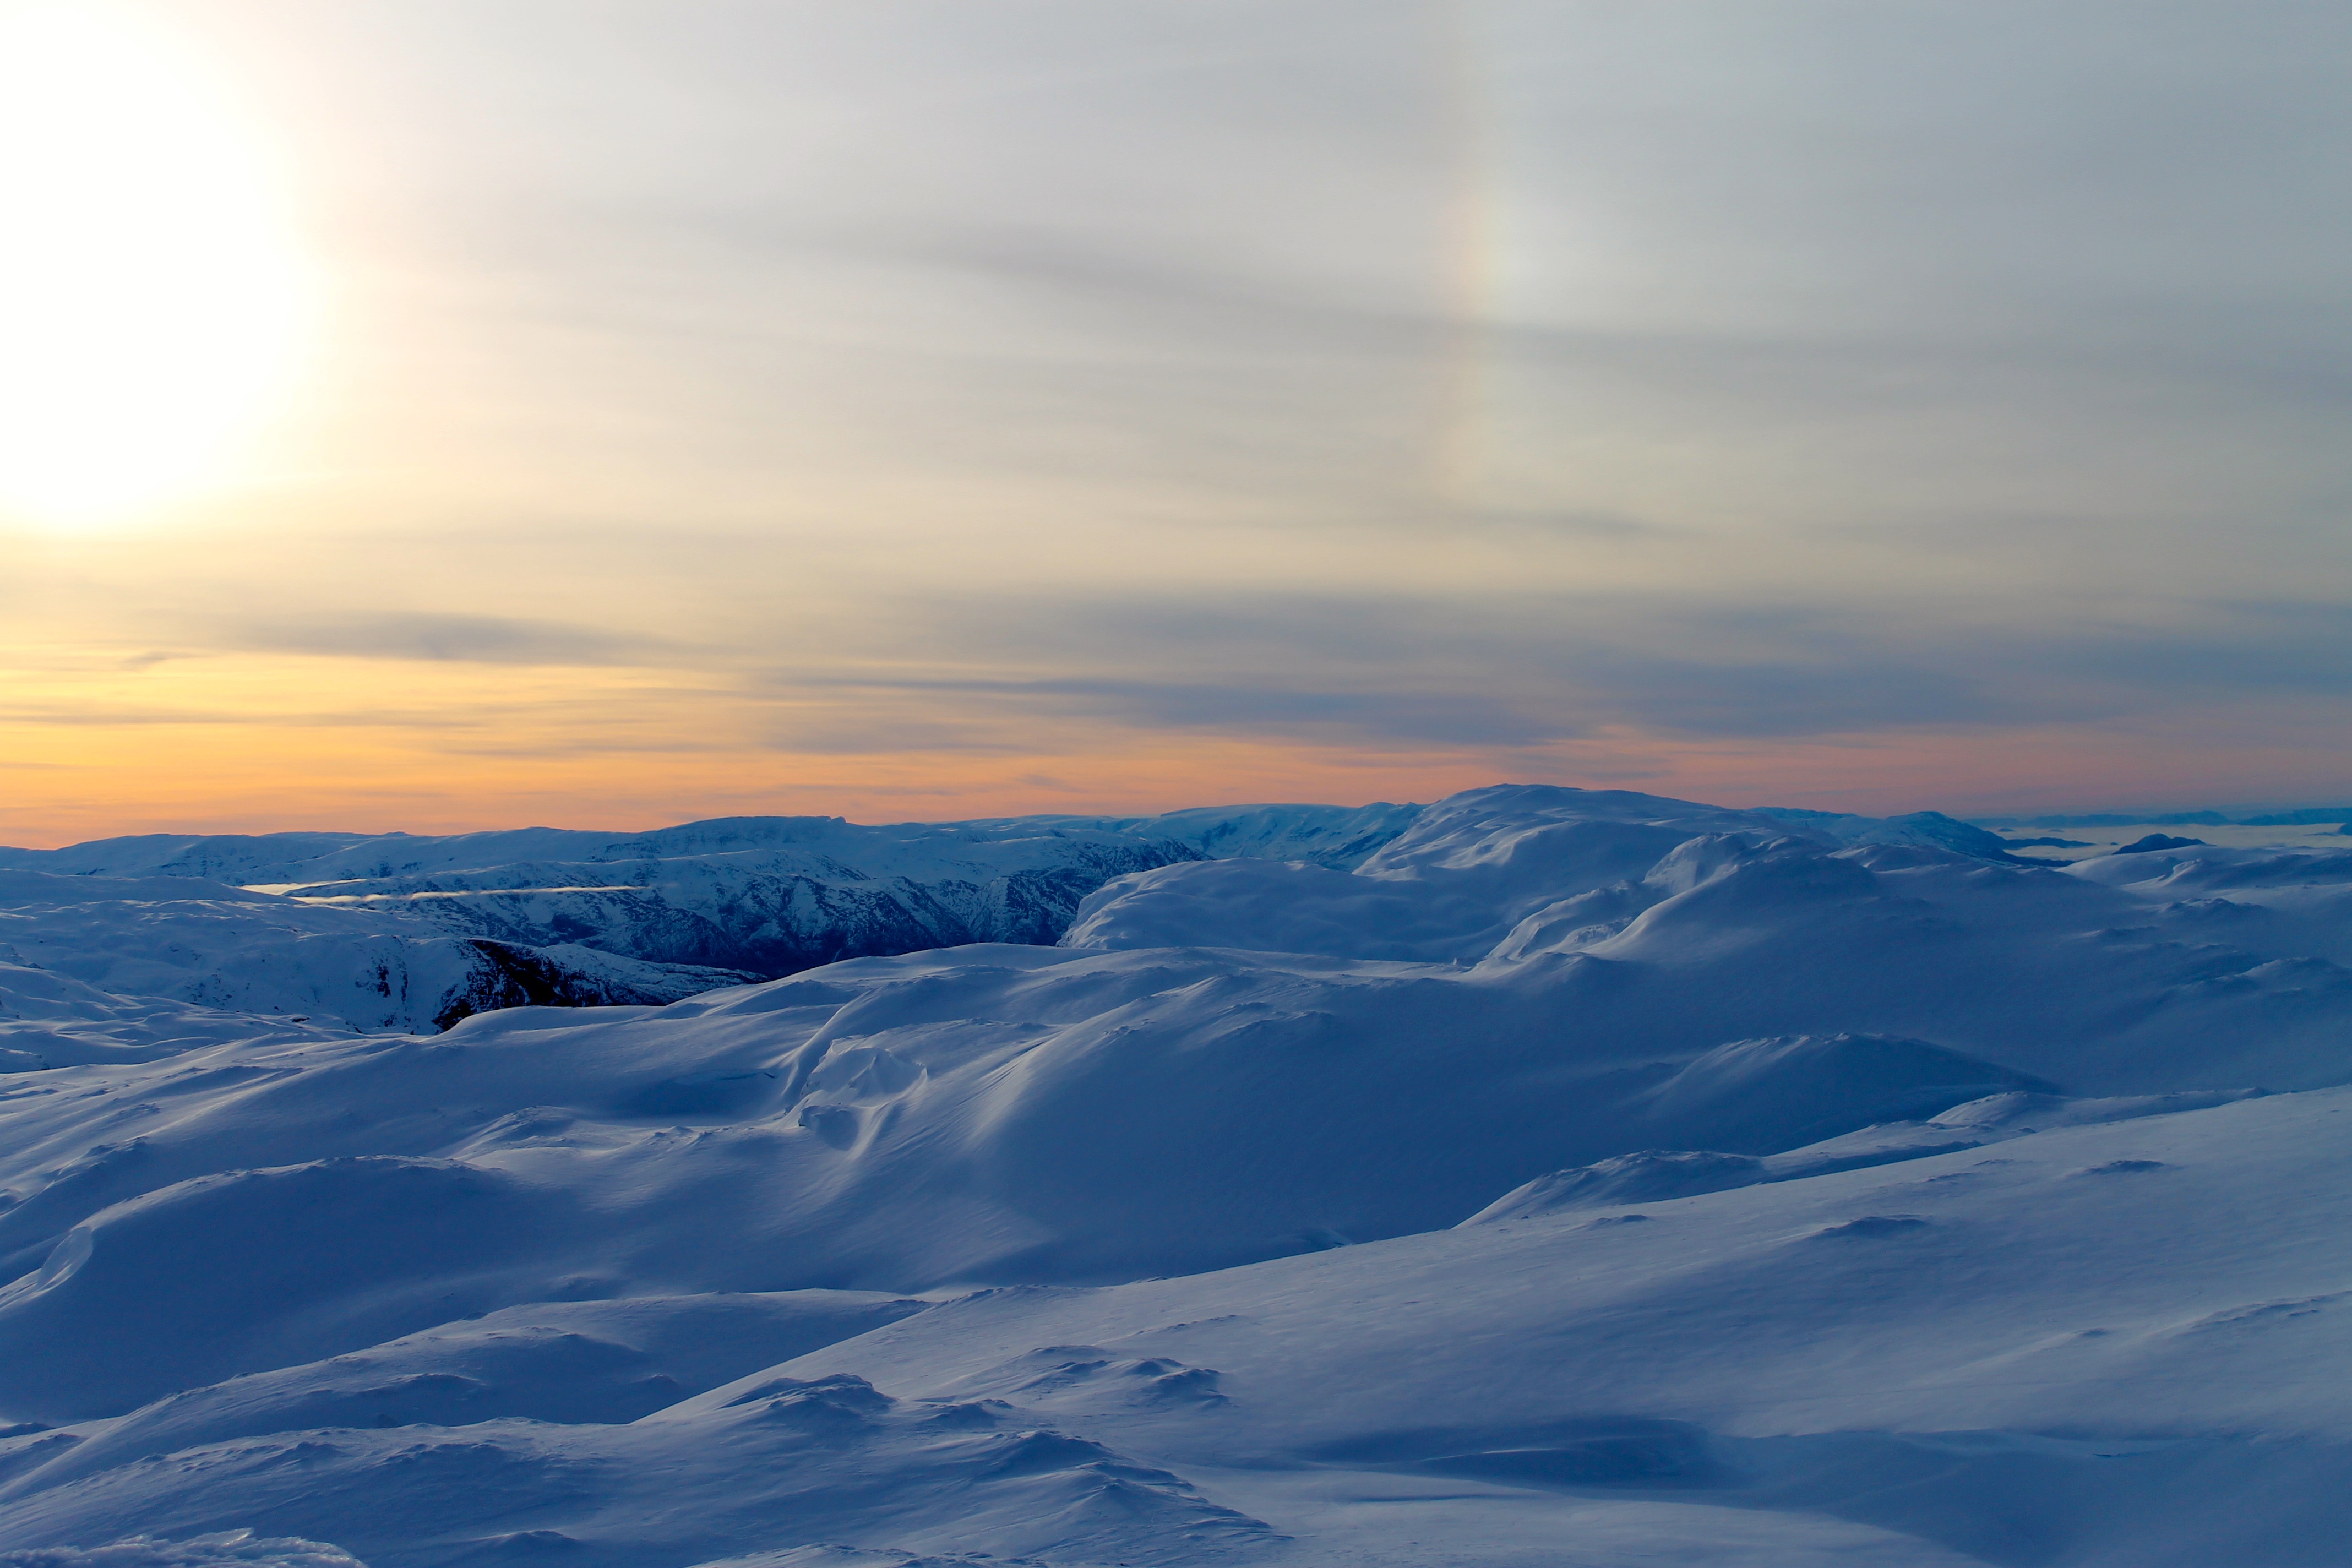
[(190, 941), (1583, 1176), (396, 932)]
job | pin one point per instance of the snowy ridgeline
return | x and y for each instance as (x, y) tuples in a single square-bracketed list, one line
[(400, 932), (1584, 1178), (395, 932)]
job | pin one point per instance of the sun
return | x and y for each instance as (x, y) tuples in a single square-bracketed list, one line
[(152, 294)]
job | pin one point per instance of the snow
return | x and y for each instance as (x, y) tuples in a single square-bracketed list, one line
[(563, 1361), (1337, 838), (52, 1020), (217, 946), (232, 1546), (409, 934), (1582, 1177)]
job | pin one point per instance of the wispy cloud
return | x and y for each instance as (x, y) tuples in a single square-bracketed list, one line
[(479, 639), (1525, 671)]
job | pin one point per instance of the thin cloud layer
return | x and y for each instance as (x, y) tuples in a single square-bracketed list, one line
[(481, 639), (726, 404), (1515, 672)]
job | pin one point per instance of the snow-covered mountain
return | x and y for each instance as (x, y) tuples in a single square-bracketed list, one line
[(190, 941), (396, 931), (1583, 1176)]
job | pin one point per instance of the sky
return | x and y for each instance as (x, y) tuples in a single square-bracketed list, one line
[(440, 414)]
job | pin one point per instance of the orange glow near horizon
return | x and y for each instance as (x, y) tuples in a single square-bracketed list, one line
[(308, 768)]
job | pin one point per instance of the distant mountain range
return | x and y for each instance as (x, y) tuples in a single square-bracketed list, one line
[(409, 933), (2307, 816), (406, 932)]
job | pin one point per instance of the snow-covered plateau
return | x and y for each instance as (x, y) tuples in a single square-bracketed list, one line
[(1544, 1177)]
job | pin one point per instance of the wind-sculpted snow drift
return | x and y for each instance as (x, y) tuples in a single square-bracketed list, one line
[(1583, 1177)]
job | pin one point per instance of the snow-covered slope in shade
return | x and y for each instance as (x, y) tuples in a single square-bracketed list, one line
[(1828, 1203), (566, 1362), (52, 1020), (1952, 1361), (221, 1549), (2005, 1359), (310, 1198)]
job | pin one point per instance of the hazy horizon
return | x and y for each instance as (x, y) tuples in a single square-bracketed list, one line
[(2118, 815)]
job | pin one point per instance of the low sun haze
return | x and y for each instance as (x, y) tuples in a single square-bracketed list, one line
[(445, 416)]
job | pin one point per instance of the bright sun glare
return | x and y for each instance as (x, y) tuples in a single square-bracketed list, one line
[(152, 293)]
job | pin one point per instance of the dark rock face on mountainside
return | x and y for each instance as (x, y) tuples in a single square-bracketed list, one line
[(509, 975), (763, 913)]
